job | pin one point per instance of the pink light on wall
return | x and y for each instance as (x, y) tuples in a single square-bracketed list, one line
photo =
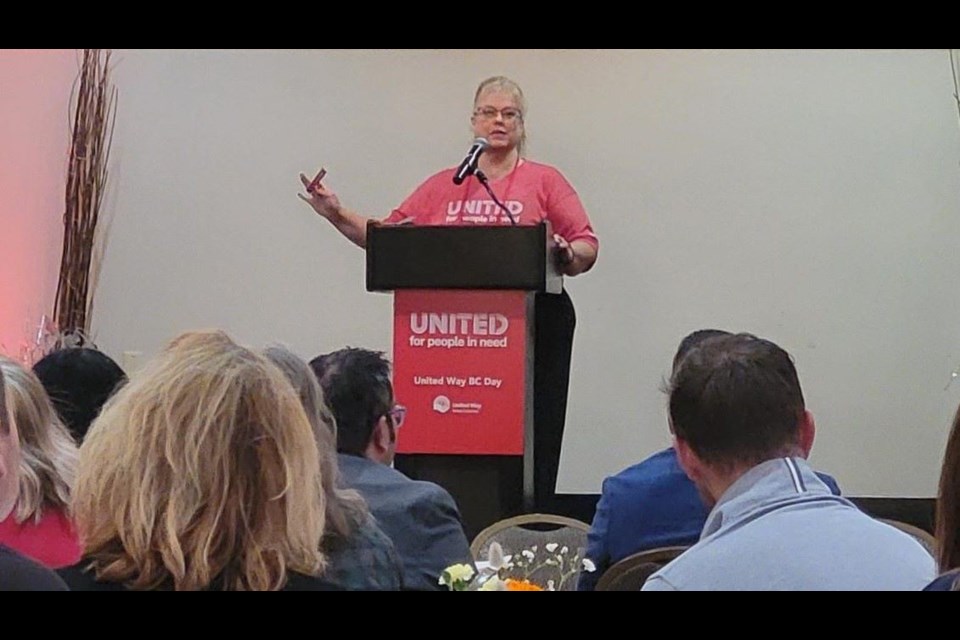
[(34, 133)]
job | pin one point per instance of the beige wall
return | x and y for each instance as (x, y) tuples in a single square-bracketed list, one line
[(809, 197)]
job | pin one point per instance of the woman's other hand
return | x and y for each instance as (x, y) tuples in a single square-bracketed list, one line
[(563, 252), (574, 257)]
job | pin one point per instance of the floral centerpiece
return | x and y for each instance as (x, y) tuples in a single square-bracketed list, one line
[(546, 568)]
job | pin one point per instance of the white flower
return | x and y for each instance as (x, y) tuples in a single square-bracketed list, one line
[(564, 550), (526, 553), (456, 575), (552, 547), (551, 586), (533, 548), (494, 584), (588, 565)]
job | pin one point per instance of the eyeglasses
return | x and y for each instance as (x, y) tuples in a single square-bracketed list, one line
[(508, 114), (397, 414)]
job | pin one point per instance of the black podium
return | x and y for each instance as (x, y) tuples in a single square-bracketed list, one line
[(463, 355)]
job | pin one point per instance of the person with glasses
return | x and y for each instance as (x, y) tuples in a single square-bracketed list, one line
[(421, 518), (514, 190)]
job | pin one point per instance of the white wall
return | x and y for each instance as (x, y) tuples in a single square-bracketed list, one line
[(812, 197)]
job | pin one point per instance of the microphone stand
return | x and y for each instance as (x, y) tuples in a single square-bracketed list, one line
[(482, 179)]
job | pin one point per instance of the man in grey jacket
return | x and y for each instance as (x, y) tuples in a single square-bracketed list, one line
[(420, 517), (742, 434)]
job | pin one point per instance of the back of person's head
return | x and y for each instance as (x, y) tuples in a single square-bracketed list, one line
[(947, 528), (201, 472), (48, 463), (736, 401), (345, 507), (694, 339), (356, 385), (79, 381)]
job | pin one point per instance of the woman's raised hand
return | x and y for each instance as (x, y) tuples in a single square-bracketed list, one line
[(324, 201)]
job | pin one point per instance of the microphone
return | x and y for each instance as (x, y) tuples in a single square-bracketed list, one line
[(469, 164)]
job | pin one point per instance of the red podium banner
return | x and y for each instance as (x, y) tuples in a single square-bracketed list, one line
[(459, 365)]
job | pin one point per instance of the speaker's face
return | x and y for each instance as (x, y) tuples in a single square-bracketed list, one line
[(497, 117)]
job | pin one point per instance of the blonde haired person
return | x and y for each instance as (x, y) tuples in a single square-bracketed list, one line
[(359, 553), (201, 473), (17, 572), (40, 526), (506, 188)]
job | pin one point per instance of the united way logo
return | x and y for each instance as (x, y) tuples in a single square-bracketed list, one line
[(441, 404)]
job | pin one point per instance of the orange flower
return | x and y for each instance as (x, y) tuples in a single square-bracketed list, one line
[(521, 585)]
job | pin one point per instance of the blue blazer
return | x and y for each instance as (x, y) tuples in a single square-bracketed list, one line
[(420, 517)]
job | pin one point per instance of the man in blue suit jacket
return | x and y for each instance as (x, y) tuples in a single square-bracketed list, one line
[(650, 504), (420, 517)]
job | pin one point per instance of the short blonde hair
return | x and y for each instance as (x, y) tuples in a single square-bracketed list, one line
[(48, 464), (201, 473), (503, 84)]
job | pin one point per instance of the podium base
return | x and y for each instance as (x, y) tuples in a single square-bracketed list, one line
[(485, 488)]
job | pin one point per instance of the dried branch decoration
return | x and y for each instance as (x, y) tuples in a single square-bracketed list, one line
[(955, 72), (94, 113)]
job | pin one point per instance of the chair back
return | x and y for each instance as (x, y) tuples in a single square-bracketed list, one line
[(525, 532), (629, 574)]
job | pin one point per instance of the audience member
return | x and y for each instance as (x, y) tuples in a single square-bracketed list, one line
[(420, 517), (947, 528), (79, 381), (17, 572), (650, 504), (201, 473), (359, 554), (742, 434), (40, 526)]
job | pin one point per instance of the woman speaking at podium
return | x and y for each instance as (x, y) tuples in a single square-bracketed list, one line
[(525, 192)]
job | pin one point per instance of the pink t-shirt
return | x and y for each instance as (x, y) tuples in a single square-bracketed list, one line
[(532, 192), (53, 542)]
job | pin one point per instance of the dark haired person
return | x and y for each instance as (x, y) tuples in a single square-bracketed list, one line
[(650, 504), (420, 517), (742, 434), (79, 381)]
